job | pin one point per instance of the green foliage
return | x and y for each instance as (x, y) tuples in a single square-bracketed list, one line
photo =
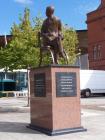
[(5, 58), (70, 43), (23, 51), (25, 42)]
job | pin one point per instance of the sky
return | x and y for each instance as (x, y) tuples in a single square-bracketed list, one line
[(71, 12)]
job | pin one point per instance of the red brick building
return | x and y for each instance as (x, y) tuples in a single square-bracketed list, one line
[(5, 39), (96, 37)]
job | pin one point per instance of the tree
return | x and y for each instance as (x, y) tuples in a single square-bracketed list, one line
[(25, 42), (70, 43)]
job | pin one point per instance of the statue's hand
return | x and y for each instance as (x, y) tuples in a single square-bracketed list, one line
[(54, 34), (60, 36)]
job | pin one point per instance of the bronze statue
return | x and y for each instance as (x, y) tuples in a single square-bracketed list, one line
[(51, 33)]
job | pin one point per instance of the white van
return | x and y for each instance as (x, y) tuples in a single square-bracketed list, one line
[(92, 82)]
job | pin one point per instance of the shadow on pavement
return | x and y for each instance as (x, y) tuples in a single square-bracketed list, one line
[(95, 96), (16, 127)]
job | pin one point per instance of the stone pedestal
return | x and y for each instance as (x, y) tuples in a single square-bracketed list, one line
[(55, 100)]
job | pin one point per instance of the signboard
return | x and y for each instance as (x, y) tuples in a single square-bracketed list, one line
[(66, 84), (39, 85)]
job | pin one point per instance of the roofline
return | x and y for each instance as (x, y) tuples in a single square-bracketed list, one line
[(6, 35), (84, 30)]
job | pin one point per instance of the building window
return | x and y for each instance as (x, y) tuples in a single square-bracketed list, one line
[(95, 53), (99, 51)]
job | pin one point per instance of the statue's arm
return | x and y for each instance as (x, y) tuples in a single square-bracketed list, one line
[(43, 28), (60, 29), (59, 26)]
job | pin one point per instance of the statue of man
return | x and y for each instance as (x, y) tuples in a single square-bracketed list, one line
[(51, 33)]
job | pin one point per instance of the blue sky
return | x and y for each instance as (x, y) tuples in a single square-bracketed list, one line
[(71, 12)]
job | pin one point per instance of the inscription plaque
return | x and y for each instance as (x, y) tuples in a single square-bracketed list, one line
[(66, 84), (39, 85)]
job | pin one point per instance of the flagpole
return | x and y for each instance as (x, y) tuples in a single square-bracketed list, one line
[(5, 37)]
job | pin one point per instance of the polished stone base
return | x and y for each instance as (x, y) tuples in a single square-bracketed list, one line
[(56, 132), (55, 100)]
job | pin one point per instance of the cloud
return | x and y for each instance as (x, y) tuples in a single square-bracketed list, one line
[(24, 1)]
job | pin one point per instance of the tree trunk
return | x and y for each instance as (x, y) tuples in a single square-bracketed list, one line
[(28, 79)]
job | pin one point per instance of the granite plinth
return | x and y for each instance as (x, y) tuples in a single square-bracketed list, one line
[(54, 114)]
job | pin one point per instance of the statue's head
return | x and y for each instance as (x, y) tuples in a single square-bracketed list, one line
[(49, 11)]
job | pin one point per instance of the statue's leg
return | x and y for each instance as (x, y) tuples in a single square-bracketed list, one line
[(55, 55), (56, 58), (60, 47)]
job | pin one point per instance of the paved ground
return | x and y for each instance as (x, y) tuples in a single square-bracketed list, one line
[(14, 117)]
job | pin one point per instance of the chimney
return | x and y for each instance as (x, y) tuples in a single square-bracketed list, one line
[(102, 2)]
